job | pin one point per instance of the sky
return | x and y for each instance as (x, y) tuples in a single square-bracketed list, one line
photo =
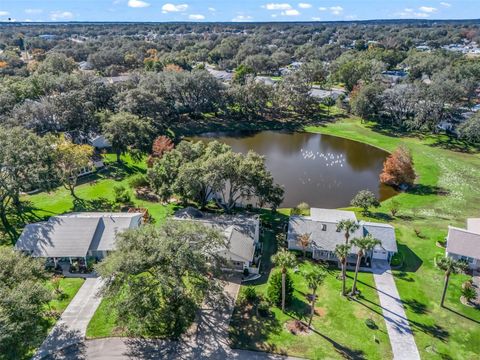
[(234, 10)]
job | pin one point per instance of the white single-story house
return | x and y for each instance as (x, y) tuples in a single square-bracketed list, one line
[(241, 232), (464, 244), (76, 235), (322, 227)]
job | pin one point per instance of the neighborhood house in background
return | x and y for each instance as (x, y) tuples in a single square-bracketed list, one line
[(464, 244), (322, 227)]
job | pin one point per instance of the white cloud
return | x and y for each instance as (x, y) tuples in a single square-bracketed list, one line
[(33, 11), (316, 18), (336, 10), (304, 5), (322, 8), (166, 8), (196, 17), (410, 13), (445, 4), (4, 13), (290, 12), (212, 9), (427, 9), (277, 6), (138, 4), (241, 18), (61, 15)]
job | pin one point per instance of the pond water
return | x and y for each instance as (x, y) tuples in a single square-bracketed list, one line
[(321, 170)]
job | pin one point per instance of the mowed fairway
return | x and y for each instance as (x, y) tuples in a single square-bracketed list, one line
[(448, 193)]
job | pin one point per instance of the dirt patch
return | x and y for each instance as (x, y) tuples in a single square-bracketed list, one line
[(296, 327), (320, 311)]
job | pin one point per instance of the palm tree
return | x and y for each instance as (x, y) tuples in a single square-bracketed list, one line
[(341, 252), (450, 266), (314, 278), (285, 260), (304, 241), (364, 245), (348, 226)]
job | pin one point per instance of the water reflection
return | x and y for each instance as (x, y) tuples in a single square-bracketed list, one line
[(322, 170)]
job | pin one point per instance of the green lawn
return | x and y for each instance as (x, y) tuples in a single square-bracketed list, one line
[(68, 288), (447, 194), (103, 323), (340, 329), (96, 193)]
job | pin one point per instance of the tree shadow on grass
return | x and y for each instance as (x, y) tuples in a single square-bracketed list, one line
[(434, 330), (422, 189), (416, 306), (248, 329), (99, 204), (461, 315), (454, 144), (344, 351), (119, 171)]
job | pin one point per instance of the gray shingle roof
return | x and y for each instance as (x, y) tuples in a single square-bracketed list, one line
[(74, 234), (58, 237), (463, 242), (322, 227), (330, 215), (240, 234)]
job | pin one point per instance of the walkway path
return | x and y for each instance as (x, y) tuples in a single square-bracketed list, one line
[(207, 339), (72, 325), (399, 331)]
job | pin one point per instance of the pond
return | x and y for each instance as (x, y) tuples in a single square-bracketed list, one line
[(321, 170)]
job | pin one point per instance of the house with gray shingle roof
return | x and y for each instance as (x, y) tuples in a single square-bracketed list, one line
[(241, 232), (321, 225), (464, 244), (76, 235)]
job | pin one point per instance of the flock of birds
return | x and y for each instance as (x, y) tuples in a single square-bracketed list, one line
[(329, 158)]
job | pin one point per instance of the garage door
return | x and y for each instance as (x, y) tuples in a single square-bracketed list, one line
[(380, 254)]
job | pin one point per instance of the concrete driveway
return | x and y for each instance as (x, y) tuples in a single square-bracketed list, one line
[(72, 325), (399, 331)]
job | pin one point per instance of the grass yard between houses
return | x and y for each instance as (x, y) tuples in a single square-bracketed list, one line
[(447, 194), (339, 324), (95, 193)]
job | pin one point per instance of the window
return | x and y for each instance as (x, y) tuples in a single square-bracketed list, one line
[(324, 227), (467, 259)]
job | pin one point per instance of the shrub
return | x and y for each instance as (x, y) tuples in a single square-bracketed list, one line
[(263, 309), (303, 206), (397, 259), (469, 293), (394, 207), (122, 195), (274, 290), (371, 324), (138, 181), (250, 294)]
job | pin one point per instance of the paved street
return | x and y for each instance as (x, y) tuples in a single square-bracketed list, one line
[(399, 331), (72, 325)]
